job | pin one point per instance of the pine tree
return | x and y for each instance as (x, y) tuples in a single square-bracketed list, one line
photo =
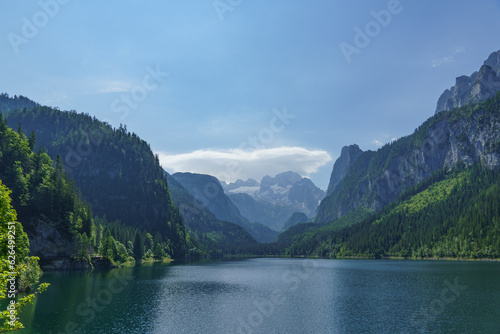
[(138, 246)]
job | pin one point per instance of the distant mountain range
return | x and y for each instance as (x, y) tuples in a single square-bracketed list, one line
[(275, 199), (214, 236), (208, 192), (433, 193)]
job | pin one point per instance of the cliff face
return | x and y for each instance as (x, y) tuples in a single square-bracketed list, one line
[(477, 87), (47, 242), (466, 135), (208, 191), (343, 164), (465, 130)]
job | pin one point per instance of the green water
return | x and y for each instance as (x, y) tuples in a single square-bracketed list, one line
[(273, 296)]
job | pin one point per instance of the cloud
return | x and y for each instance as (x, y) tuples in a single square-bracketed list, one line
[(447, 59), (233, 164), (114, 86), (377, 142)]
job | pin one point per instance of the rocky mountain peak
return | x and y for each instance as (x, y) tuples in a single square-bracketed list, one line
[(240, 186), (493, 61), (477, 87), (348, 156), (283, 180), (273, 200)]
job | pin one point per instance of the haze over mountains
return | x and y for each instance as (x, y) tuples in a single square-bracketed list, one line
[(389, 202), (273, 201), (208, 192)]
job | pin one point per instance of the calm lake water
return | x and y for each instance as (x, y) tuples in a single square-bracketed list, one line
[(273, 296)]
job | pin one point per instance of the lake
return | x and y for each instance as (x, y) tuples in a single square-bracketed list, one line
[(273, 295)]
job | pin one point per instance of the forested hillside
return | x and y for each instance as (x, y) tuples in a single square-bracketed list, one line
[(455, 214), (58, 222), (434, 193), (115, 170), (42, 194)]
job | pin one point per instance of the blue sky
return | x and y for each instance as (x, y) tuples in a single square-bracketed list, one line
[(240, 88)]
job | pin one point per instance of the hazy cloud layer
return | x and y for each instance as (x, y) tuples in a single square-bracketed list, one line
[(233, 164)]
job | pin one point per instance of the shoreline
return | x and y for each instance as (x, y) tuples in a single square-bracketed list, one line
[(249, 256), (385, 258)]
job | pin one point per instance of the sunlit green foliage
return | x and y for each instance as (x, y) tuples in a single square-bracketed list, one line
[(14, 264), (455, 215)]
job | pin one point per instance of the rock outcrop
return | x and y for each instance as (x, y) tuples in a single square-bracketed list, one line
[(477, 87), (343, 164), (47, 242)]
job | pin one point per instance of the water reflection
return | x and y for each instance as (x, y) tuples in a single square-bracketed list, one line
[(272, 296)]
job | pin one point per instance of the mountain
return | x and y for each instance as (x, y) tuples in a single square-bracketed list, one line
[(433, 193), (273, 201), (477, 87), (296, 218), (211, 235), (116, 171), (450, 214), (343, 164), (249, 186), (465, 132), (208, 191), (462, 136), (276, 189)]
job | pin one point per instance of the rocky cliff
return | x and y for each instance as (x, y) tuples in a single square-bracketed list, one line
[(477, 87), (343, 164), (462, 136), (466, 130)]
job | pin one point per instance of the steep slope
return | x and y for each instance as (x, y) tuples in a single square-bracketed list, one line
[(115, 170), (343, 164), (48, 204), (296, 218), (455, 214), (258, 210), (305, 196), (208, 191), (461, 136), (276, 189), (212, 236)]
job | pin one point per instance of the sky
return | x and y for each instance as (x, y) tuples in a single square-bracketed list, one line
[(241, 89)]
